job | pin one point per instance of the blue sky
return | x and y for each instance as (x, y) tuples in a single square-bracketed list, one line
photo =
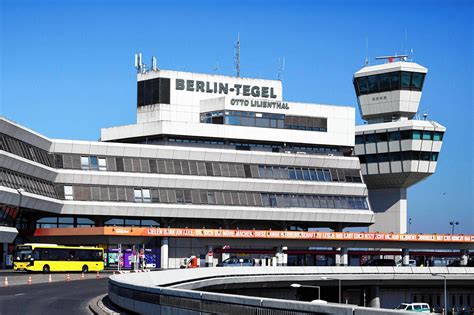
[(67, 66)]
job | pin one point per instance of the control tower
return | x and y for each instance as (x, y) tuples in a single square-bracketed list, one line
[(396, 149)]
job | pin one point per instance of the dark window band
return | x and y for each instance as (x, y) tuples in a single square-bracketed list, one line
[(211, 197), (391, 81), (399, 135), (399, 156), (28, 183), (265, 120), (25, 150), (201, 168)]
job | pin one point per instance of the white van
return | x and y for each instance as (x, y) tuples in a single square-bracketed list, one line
[(414, 307)]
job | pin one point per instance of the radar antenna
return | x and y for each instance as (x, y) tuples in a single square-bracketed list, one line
[(237, 56), (392, 58), (139, 65)]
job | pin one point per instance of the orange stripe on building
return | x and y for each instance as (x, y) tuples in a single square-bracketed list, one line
[(253, 234)]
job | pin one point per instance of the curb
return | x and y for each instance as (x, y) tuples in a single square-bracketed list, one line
[(101, 305)]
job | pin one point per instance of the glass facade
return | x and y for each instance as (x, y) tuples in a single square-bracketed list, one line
[(64, 222), (265, 120), (392, 81), (213, 197)]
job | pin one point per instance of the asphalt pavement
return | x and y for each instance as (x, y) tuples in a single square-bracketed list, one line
[(11, 277), (61, 297)]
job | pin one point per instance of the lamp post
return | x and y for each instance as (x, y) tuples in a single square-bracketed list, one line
[(297, 285), (453, 224), (445, 295), (339, 284), (409, 225)]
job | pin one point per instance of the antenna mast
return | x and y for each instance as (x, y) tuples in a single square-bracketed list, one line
[(366, 62), (281, 67), (237, 56)]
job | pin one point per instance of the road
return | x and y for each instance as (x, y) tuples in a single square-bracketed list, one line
[(65, 297)]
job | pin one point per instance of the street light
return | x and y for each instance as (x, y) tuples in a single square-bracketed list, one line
[(339, 282), (453, 224), (409, 225), (445, 301), (297, 285)]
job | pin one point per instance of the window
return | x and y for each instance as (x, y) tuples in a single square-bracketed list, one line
[(68, 193), (417, 81), (384, 82), (84, 162), (406, 80), (373, 84), (359, 139), (94, 164), (146, 195), (416, 135), (395, 81), (394, 136), (102, 164), (427, 135), (438, 136), (362, 84), (370, 138), (138, 195)]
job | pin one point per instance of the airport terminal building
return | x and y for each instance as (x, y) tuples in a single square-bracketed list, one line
[(221, 153)]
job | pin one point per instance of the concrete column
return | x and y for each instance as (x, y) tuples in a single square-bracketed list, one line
[(164, 253), (405, 257), (210, 256), (374, 298), (390, 207), (281, 257), (464, 257), (337, 257)]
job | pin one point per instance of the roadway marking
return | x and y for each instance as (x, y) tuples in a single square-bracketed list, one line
[(18, 294)]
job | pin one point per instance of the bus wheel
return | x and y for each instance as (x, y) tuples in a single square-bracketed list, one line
[(85, 269), (46, 269)]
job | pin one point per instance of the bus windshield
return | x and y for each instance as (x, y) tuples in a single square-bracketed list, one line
[(22, 253)]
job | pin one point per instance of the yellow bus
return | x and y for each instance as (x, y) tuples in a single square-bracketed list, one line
[(51, 257)]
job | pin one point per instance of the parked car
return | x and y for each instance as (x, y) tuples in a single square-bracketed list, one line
[(414, 307), (381, 262), (237, 262), (411, 263)]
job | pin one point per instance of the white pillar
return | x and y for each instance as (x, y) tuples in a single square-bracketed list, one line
[(274, 261), (344, 257), (405, 257), (210, 256), (285, 256), (464, 257), (164, 253)]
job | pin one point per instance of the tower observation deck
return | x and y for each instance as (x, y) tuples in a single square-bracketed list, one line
[(395, 149)]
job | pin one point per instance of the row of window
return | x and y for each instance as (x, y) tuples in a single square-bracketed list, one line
[(310, 174), (264, 120), (209, 197), (72, 222), (249, 146), (184, 167), (67, 254), (399, 135), (399, 156), (391, 81), (28, 183), (25, 150), (64, 222)]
